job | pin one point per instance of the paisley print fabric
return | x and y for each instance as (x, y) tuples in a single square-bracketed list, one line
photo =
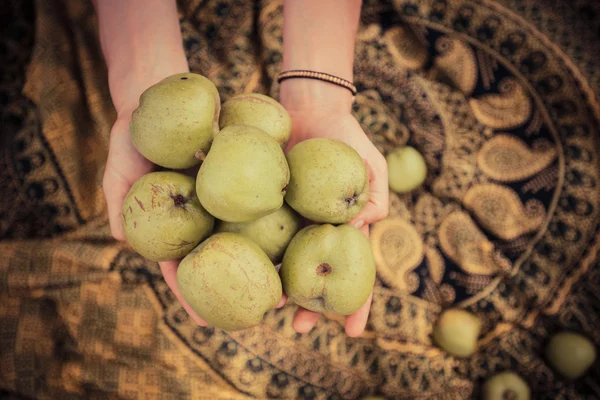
[(501, 98)]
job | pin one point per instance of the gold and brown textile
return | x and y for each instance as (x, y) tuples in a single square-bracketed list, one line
[(501, 97)]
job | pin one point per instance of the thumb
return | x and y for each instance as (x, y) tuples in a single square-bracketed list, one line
[(377, 207), (115, 189), (169, 271)]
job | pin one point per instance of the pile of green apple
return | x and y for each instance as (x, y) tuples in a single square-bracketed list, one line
[(242, 213), (571, 354)]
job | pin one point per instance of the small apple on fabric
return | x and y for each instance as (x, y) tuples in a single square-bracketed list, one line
[(456, 332), (506, 386), (570, 353), (407, 169)]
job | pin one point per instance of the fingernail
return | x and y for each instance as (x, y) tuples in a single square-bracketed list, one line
[(359, 224)]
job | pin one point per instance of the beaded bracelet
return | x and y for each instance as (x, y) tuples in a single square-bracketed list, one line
[(321, 76)]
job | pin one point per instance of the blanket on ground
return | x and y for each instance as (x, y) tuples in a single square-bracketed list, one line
[(501, 97)]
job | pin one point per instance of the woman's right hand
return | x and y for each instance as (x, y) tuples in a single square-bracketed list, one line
[(125, 164), (142, 44)]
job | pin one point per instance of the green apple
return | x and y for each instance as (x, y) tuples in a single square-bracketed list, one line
[(328, 269), (162, 217), (407, 169)]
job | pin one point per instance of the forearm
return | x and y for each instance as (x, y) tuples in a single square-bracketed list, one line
[(319, 35), (141, 42)]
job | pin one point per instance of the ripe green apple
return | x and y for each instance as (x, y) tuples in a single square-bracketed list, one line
[(162, 217), (328, 269)]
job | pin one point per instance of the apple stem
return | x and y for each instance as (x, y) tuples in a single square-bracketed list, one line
[(200, 155)]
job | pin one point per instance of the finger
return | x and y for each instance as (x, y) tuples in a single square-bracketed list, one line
[(291, 143), (370, 214), (377, 207), (115, 189), (288, 147), (365, 229), (356, 322), (282, 301), (305, 320), (169, 271)]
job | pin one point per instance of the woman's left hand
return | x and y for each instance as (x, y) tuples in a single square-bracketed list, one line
[(321, 110)]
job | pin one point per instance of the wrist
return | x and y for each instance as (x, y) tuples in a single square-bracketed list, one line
[(141, 43), (299, 95)]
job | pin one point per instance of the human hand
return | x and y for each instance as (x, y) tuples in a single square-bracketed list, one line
[(125, 164), (142, 44), (323, 110)]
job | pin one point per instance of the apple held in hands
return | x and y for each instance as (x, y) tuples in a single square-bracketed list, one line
[(328, 269), (260, 111), (272, 233), (162, 216), (229, 279), (229, 282), (244, 176), (176, 119), (329, 181)]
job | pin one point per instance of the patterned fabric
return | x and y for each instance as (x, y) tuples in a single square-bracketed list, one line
[(501, 97)]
